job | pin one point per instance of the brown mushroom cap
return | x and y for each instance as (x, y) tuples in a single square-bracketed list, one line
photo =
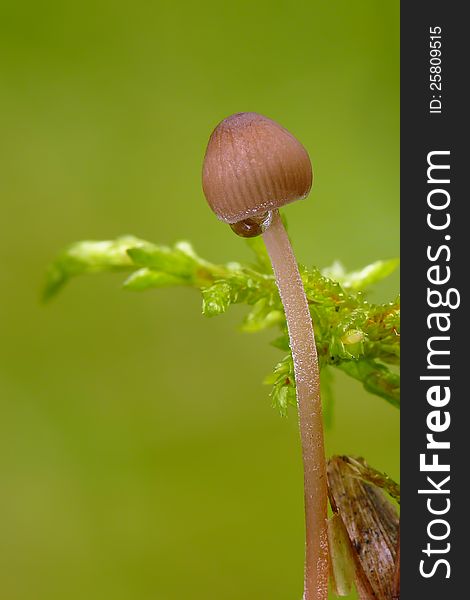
[(253, 165)]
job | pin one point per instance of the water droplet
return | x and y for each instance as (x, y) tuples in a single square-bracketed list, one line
[(253, 226)]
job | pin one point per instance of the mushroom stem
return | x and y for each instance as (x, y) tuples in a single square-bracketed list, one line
[(307, 378)]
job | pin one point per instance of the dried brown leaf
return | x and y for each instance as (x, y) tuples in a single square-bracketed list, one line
[(372, 524)]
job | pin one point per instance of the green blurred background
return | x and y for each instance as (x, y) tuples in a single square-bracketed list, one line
[(139, 455)]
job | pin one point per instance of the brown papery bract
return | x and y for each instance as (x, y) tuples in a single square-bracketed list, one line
[(372, 524)]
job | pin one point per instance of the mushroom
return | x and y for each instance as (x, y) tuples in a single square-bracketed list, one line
[(252, 167)]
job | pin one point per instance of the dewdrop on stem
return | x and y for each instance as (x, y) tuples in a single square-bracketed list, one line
[(253, 167)]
